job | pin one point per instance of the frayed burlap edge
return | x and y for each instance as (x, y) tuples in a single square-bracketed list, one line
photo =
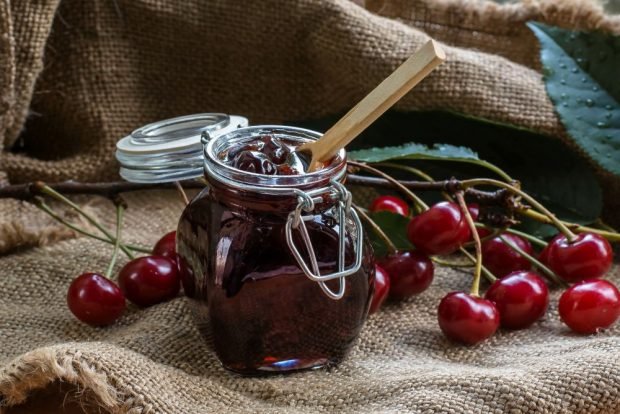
[(41, 367), (22, 225), (16, 234)]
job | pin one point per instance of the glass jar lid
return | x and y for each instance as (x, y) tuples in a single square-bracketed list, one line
[(171, 150)]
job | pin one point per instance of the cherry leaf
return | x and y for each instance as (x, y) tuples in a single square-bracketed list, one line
[(413, 150), (394, 226), (581, 77)]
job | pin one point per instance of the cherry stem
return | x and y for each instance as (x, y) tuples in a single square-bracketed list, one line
[(417, 201), (486, 272), (532, 239), (497, 232), (448, 263), (475, 287), (604, 226), (571, 237), (117, 244), (493, 168), (44, 189), (377, 229), (182, 193), (48, 210), (550, 273), (28, 191), (611, 236), (416, 172)]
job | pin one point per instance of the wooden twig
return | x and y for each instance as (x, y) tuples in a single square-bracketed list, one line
[(110, 189)]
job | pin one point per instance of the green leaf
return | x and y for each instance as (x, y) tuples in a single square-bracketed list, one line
[(536, 228), (581, 72), (414, 151), (394, 226), (548, 170)]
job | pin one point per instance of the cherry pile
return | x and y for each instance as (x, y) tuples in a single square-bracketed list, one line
[(519, 297), (145, 281), (266, 154), (516, 300)]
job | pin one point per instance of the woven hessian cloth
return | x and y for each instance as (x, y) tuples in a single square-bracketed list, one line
[(77, 75), (155, 360)]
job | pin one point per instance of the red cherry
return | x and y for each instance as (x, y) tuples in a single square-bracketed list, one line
[(390, 203), (588, 257), (95, 299), (382, 288), (474, 210), (410, 273), (590, 306), (501, 259), (442, 229), (166, 246), (543, 256), (521, 299), (466, 318), (149, 280), (482, 232)]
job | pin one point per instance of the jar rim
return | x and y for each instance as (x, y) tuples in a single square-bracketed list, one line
[(222, 171)]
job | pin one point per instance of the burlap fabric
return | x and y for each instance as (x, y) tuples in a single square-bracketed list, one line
[(155, 361), (75, 76)]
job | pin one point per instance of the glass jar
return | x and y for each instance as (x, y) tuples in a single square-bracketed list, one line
[(281, 284)]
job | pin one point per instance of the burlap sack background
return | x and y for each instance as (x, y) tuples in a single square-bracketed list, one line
[(75, 76)]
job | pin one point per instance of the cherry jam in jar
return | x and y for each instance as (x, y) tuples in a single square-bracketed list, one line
[(283, 273)]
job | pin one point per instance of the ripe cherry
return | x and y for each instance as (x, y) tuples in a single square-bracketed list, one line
[(588, 257), (482, 232), (149, 280), (474, 210), (382, 288), (255, 162), (590, 306), (543, 256), (466, 318), (95, 299), (501, 259), (521, 299), (442, 229), (166, 247), (392, 204), (274, 150), (410, 273)]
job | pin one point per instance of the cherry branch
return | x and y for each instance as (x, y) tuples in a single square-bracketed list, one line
[(27, 191), (499, 197), (110, 189)]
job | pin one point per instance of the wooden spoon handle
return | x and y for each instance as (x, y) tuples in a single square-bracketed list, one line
[(394, 87)]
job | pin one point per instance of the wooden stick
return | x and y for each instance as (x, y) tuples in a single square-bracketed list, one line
[(383, 97)]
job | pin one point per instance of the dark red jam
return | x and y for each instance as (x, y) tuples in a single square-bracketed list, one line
[(266, 154), (252, 300)]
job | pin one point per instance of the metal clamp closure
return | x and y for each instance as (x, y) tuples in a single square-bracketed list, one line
[(296, 221)]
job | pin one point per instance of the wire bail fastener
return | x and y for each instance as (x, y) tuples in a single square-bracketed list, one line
[(296, 221)]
